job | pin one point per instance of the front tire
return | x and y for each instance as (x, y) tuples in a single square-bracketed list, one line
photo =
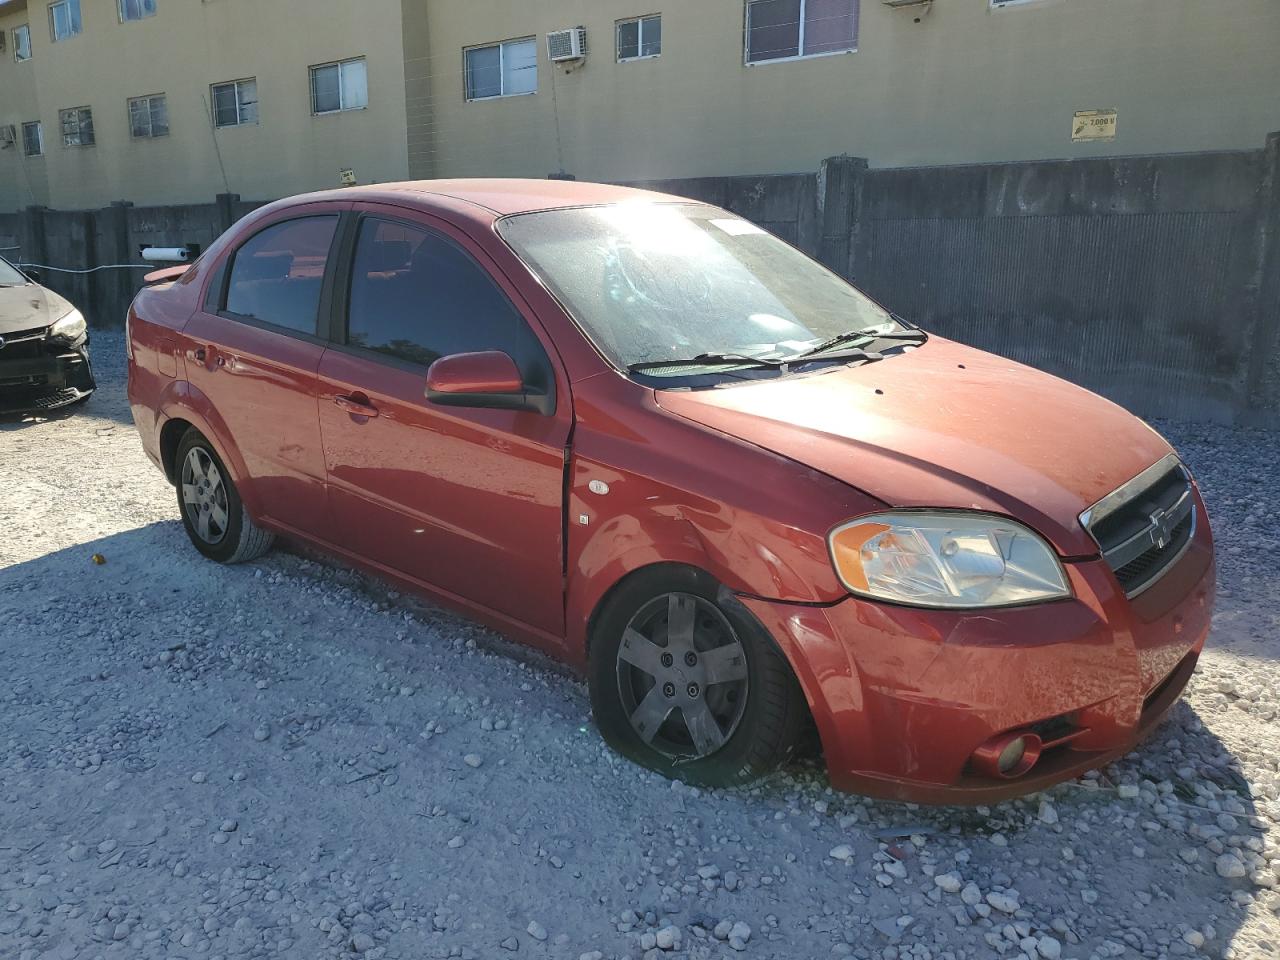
[(212, 511), (690, 686)]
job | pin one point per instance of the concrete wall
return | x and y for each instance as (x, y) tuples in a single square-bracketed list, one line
[(967, 84), (187, 46), (1152, 280)]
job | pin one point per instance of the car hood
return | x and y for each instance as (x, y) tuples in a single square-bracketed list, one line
[(944, 425), (30, 306)]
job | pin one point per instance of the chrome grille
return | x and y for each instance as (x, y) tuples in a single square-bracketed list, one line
[(1144, 526)]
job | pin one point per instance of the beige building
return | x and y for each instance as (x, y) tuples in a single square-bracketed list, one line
[(189, 98), (735, 87), (124, 92)]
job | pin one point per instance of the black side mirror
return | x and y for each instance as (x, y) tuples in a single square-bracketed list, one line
[(35, 276)]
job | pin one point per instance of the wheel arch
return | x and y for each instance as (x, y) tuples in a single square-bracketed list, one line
[(183, 407)]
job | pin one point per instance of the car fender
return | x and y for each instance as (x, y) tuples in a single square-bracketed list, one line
[(600, 565), (179, 400)]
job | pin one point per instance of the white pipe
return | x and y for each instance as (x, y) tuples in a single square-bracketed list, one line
[(166, 254)]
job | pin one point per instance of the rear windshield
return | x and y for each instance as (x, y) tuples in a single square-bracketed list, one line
[(663, 281)]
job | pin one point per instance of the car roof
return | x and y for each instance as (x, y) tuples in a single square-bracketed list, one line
[(501, 197)]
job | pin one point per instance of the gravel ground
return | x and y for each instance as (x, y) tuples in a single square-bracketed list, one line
[(285, 759)]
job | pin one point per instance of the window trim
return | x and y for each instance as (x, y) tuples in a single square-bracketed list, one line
[(146, 16), (618, 24), (502, 53), (79, 121), (213, 104), (53, 33), (147, 98), (17, 47), (222, 277), (39, 136), (746, 38), (311, 76)]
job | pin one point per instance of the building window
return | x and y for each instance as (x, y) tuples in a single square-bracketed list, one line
[(22, 43), (339, 86), (790, 29), (502, 69), (149, 117), (640, 38), (33, 139), (235, 103), (64, 19), (136, 9), (77, 127)]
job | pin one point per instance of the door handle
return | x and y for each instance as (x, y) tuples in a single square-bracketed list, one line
[(357, 406)]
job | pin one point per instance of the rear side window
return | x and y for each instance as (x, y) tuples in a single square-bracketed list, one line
[(418, 297), (276, 276)]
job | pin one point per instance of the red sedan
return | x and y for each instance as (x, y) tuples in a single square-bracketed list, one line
[(656, 442)]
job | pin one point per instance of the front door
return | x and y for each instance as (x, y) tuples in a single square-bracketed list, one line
[(253, 350), (466, 501)]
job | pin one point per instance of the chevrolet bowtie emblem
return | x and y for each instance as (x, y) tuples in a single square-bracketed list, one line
[(1161, 528)]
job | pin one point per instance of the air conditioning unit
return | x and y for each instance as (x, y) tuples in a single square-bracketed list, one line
[(566, 45), (8, 134)]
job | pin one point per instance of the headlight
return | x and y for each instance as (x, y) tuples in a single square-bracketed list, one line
[(70, 328), (946, 560)]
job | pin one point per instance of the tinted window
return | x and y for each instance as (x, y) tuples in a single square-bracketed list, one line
[(416, 296), (277, 274)]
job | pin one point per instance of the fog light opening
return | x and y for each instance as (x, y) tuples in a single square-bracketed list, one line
[(1008, 756)]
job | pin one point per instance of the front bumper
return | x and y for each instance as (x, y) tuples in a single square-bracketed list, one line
[(45, 378), (903, 697)]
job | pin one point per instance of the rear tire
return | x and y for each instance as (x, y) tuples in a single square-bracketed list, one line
[(710, 701), (212, 511)]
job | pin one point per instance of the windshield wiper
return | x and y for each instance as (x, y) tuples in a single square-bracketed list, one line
[(842, 338), (709, 360)]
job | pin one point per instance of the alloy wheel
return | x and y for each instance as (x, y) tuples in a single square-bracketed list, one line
[(204, 496), (682, 676)]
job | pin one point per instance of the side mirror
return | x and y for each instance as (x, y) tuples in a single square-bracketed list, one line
[(33, 275), (488, 379)]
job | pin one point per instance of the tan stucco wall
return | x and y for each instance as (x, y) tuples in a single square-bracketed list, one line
[(185, 47), (967, 84)]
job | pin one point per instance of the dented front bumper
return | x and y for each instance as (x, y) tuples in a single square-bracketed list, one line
[(903, 697)]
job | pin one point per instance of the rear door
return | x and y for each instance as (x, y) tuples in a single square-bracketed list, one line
[(253, 349), (467, 501)]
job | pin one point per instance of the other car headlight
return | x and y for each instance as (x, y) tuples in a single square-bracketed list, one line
[(945, 559), (70, 328)]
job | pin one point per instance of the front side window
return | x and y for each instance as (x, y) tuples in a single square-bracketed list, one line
[(277, 274), (136, 9), (149, 117), (22, 43), (654, 282), (788, 29), (502, 69), (235, 103), (77, 127), (417, 297), (33, 139), (64, 19), (640, 38), (339, 86)]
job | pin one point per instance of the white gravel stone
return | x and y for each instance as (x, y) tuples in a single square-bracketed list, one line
[(948, 882), (1005, 902)]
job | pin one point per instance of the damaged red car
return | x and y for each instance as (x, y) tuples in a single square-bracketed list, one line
[(656, 442)]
